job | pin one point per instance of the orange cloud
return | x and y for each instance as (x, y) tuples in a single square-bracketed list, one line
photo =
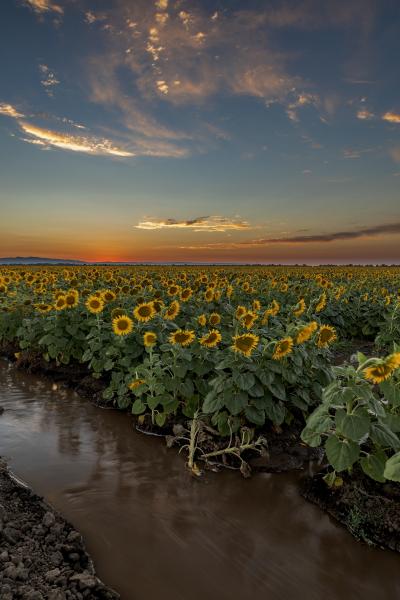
[(210, 223), (391, 117), (43, 6), (10, 111)]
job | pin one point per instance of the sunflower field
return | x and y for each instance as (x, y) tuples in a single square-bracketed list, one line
[(242, 348)]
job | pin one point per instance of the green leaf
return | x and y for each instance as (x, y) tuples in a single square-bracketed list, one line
[(254, 415), (244, 380), (382, 436), (237, 402), (276, 411), (310, 437), (138, 407), (392, 468), (319, 421), (212, 402), (341, 454), (391, 391), (277, 389), (160, 419), (373, 465), (354, 426)]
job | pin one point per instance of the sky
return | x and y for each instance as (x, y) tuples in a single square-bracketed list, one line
[(200, 130)]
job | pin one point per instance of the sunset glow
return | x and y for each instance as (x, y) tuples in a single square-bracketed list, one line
[(198, 131)]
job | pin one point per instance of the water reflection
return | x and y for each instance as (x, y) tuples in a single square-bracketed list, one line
[(156, 533)]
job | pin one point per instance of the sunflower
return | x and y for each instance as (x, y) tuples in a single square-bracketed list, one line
[(202, 320), (256, 305), (209, 295), (144, 312), (211, 339), (186, 294), (249, 319), (378, 373), (108, 295), (149, 339), (122, 325), (326, 336), (299, 308), (183, 337), (321, 303), (305, 333), (172, 311), (393, 360), (61, 303), (245, 344), (94, 304), (214, 319), (72, 299), (173, 290), (240, 311), (283, 348), (136, 383), (43, 308)]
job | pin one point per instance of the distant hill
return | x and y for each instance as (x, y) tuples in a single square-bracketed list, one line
[(37, 260)]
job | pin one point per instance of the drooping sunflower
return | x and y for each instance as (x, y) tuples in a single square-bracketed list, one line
[(283, 348), (305, 333), (122, 325), (94, 304), (326, 335), (136, 383), (378, 372), (393, 360), (172, 311), (209, 295), (321, 303), (214, 319), (144, 312), (149, 339), (299, 308), (202, 320), (245, 343), (182, 337), (60, 303), (211, 339), (43, 308)]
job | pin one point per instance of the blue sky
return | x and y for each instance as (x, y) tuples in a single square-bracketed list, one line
[(263, 131)]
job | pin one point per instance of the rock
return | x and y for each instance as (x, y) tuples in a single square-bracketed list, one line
[(73, 536), (85, 580), (56, 595), (11, 535), (48, 520), (52, 575), (56, 558), (4, 556)]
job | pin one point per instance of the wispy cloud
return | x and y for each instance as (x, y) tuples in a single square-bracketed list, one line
[(44, 6), (10, 111), (365, 115), (64, 141), (49, 80), (209, 223), (395, 154), (391, 117)]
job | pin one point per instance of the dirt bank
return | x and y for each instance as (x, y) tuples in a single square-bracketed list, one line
[(369, 510), (42, 557)]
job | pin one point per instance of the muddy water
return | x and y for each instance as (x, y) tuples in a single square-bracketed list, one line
[(155, 533)]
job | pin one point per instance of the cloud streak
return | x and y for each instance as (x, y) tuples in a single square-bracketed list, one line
[(324, 238), (64, 141), (198, 224), (391, 117)]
